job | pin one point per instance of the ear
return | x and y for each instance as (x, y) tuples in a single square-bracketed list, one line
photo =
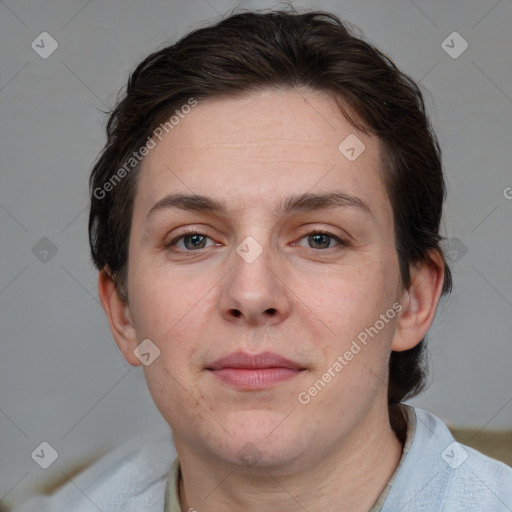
[(119, 317), (419, 302)]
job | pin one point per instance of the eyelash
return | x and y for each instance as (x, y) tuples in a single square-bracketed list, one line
[(341, 242)]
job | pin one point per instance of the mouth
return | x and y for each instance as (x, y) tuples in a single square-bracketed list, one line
[(254, 371)]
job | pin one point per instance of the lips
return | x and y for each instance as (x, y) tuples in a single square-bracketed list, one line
[(254, 361), (254, 371)]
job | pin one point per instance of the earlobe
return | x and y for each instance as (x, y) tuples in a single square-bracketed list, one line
[(119, 317), (419, 302)]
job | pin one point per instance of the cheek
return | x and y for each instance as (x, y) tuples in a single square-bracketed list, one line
[(348, 300), (172, 313), (173, 394), (164, 303), (357, 335)]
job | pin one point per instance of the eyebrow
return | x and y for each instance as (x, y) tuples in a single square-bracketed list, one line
[(307, 202)]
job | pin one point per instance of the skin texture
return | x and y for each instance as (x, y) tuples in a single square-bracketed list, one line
[(300, 299)]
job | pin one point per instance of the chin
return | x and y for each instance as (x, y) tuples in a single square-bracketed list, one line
[(265, 440)]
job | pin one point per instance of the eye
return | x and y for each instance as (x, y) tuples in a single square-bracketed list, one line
[(192, 240), (322, 239)]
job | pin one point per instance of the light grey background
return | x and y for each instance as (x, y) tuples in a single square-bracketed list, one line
[(62, 378)]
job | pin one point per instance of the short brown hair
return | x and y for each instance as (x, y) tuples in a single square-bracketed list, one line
[(257, 50)]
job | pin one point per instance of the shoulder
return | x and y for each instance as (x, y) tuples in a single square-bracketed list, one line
[(129, 478), (439, 473)]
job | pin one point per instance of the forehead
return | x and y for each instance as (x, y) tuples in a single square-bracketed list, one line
[(260, 147)]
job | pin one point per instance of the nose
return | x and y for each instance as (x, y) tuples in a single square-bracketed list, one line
[(254, 291)]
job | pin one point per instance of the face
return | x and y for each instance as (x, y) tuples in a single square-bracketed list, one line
[(281, 287)]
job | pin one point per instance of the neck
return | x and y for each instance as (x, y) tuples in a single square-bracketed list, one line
[(350, 477)]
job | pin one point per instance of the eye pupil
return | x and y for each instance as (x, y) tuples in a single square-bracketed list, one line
[(194, 238), (321, 239)]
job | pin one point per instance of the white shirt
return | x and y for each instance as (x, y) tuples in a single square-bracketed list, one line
[(434, 474)]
